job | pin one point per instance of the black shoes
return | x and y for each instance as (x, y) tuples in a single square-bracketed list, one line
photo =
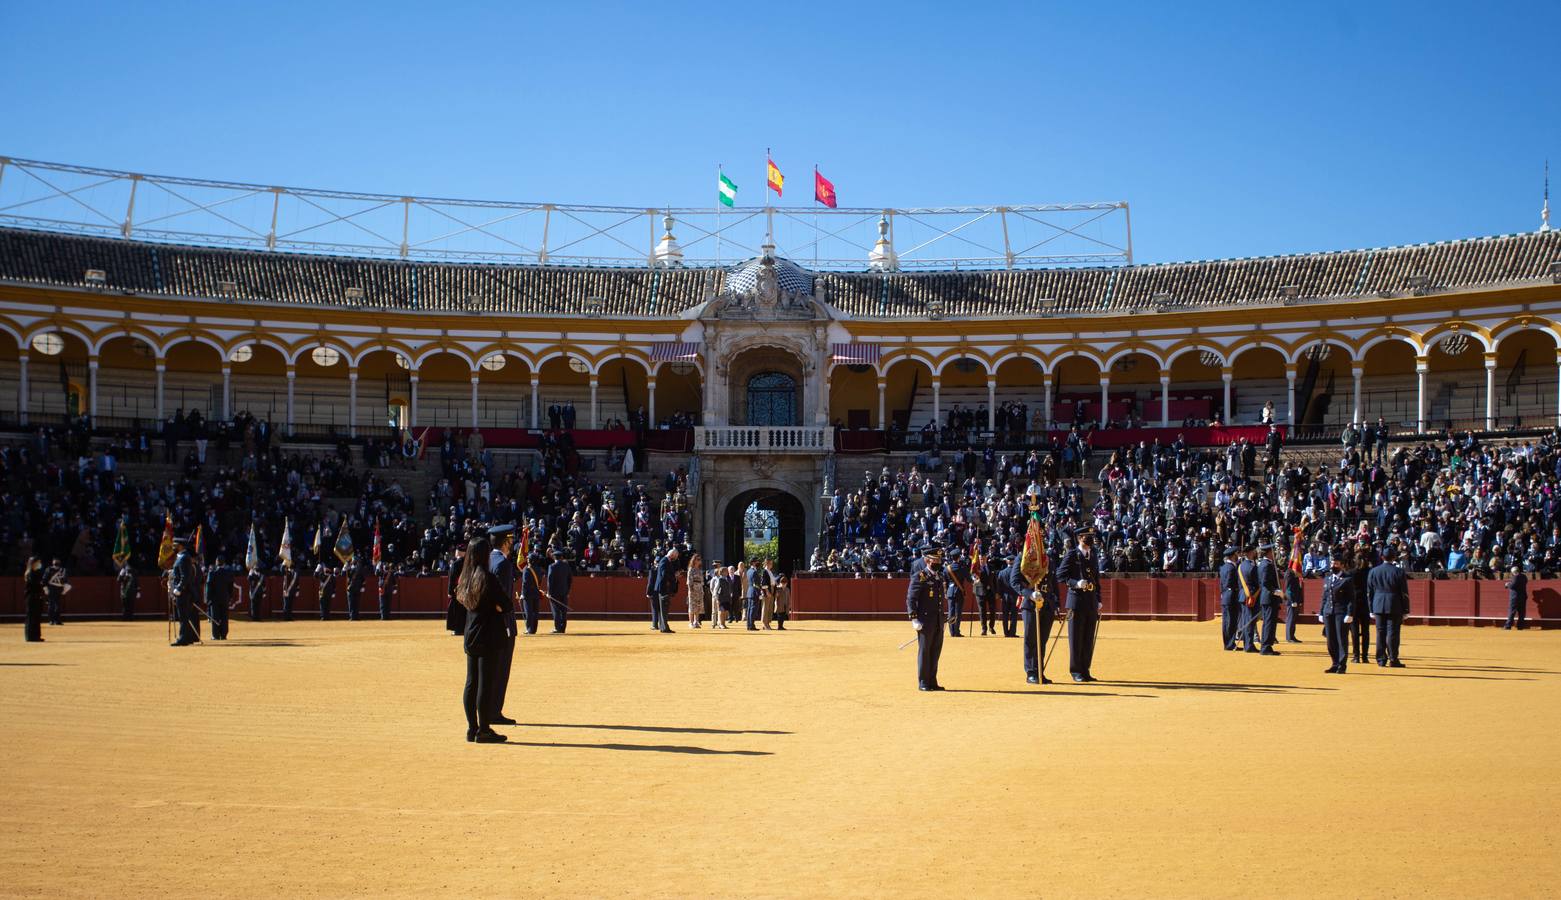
[(1079, 678), (1269, 652), (1292, 640), (504, 720), (1032, 679), (666, 631), (489, 736), (1395, 664), (471, 735)]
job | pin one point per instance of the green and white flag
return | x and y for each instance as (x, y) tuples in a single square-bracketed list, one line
[(728, 191)]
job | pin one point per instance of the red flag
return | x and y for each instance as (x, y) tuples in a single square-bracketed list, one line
[(823, 190), (376, 552)]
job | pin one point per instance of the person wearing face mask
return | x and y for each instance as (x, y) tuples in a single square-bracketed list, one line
[(924, 605), (1080, 573), (1337, 614)]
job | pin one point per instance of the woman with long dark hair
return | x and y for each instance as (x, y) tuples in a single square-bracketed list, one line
[(485, 604)]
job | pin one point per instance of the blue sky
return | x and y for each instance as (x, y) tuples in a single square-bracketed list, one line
[(1233, 130)]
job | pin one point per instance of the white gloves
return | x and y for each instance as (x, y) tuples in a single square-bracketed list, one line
[(916, 624)]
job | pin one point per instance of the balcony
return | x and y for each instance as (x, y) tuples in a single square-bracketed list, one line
[(764, 439)]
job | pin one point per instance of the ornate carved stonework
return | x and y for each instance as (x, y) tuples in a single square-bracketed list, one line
[(762, 466), (761, 294)]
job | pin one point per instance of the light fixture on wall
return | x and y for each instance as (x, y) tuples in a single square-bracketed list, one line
[(49, 344), (242, 354), (680, 367), (402, 362), (494, 362), (576, 364), (1210, 359), (1454, 344), (325, 357)]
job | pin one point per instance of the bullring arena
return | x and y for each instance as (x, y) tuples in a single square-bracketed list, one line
[(278, 398)]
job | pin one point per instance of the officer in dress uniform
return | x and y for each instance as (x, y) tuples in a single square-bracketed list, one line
[(327, 577), (1007, 600), (1389, 604), (55, 581), (1246, 584), (1268, 597), (1230, 598), (985, 596), (1338, 612), (356, 574), (955, 594), (257, 594), (924, 605), (1517, 599), (503, 569), (1080, 572), (290, 589), (560, 578), (219, 593), (1295, 598), (389, 576), (531, 591), (181, 592), (129, 589), (1038, 608)]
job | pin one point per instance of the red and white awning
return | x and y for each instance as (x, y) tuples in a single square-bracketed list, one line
[(674, 351), (856, 354)]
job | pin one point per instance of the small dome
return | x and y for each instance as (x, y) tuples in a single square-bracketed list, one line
[(792, 278)]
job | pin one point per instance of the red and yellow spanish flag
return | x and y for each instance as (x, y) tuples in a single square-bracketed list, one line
[(1033, 564), (823, 190), (773, 176), (166, 551), (1297, 536), (378, 547)]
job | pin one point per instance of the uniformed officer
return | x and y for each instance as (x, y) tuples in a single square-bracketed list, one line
[(1246, 582), (290, 589), (356, 574), (1230, 598), (1268, 597), (1080, 573), (55, 581), (503, 569), (257, 594), (954, 592), (1007, 599), (1389, 604), (1517, 599), (389, 576), (1295, 598), (531, 589), (560, 578), (219, 593), (327, 577), (181, 593), (1338, 612), (924, 605), (985, 596), (129, 589), (1037, 607)]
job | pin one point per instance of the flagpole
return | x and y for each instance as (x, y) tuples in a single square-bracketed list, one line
[(769, 211), (815, 215), (719, 184)]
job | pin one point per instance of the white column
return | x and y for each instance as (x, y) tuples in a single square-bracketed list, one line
[(991, 404), (1558, 384), (227, 393), (474, 401), (1290, 392), (883, 389), (536, 400), (1490, 392), (92, 389), (1358, 372), (937, 403), (352, 402), (650, 405), (1105, 401), (292, 377), (1046, 401), (412, 400), (1165, 398), (161, 368), (1421, 365), (1226, 375), (594, 383), (23, 390)]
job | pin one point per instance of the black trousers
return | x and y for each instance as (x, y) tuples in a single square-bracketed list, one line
[(531, 608), (54, 607), (189, 626), (218, 614), (956, 609), (325, 605), (1037, 634), (352, 605), (560, 607), (1360, 637), (1387, 637), (986, 609), (929, 646), (1082, 625), (1010, 610), (1517, 612), (287, 605), (33, 630), (384, 604), (127, 606), (256, 598), (482, 678), (1337, 632), (1270, 626), (504, 656), (1292, 613), (1230, 623)]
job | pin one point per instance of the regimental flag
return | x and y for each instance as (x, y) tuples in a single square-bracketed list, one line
[(166, 551), (252, 552), (1298, 533), (726, 190), (343, 545), (823, 190), (773, 176), (121, 554), (319, 543), (284, 553), (975, 554), (199, 544), (377, 545), (525, 544), (1033, 564)]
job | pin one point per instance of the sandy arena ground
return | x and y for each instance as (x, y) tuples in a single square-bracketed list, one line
[(328, 759)]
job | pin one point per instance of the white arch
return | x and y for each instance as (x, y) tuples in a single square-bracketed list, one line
[(430, 352), (1309, 342), (1199, 348), (1129, 351), (938, 370), (1513, 328), (1387, 336), (885, 366), (1243, 349), (697, 362), (1030, 355), (1069, 353), (596, 367), (51, 327), (1485, 345), (195, 338), (15, 335)]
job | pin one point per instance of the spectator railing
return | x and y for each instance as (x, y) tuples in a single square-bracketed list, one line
[(764, 439)]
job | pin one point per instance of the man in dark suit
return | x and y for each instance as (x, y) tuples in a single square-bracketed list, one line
[(1295, 598), (503, 569), (182, 589), (560, 577), (955, 594), (555, 416), (1338, 610), (758, 583), (219, 592), (1080, 572), (1389, 604), (1246, 583), (924, 605), (1517, 599), (1230, 599), (1037, 606), (663, 584), (1268, 597), (129, 589), (569, 415), (389, 576)]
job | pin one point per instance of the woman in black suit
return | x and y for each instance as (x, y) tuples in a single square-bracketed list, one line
[(485, 604), (33, 592)]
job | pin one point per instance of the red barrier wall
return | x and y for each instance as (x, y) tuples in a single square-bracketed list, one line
[(1438, 602)]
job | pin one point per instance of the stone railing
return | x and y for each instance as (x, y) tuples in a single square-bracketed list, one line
[(764, 439)]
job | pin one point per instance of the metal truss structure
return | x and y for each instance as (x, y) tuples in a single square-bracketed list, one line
[(103, 202)]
